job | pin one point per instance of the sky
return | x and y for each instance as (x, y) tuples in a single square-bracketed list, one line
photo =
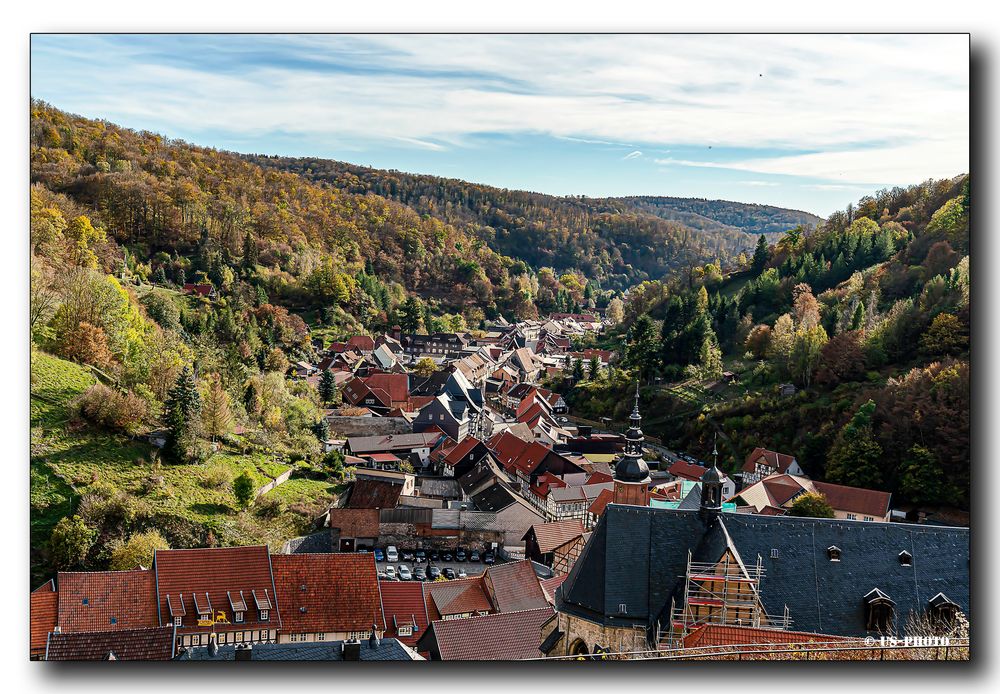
[(810, 122)]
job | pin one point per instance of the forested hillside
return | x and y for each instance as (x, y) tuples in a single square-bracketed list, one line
[(615, 242), (867, 318)]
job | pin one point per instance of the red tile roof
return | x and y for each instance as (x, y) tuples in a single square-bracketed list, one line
[(779, 461), (457, 596), (724, 635), (153, 643), (867, 502), (549, 585), (106, 600), (506, 447), (220, 574), (515, 587), (454, 456), (327, 592), (363, 343), (44, 609), (403, 603), (686, 470), (601, 502), (374, 494), (382, 458), (397, 386), (549, 536), (530, 458), (355, 522), (503, 636)]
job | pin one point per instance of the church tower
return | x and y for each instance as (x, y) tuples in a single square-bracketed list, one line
[(631, 472), (711, 489)]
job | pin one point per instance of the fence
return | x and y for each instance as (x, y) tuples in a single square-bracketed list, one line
[(956, 649), (280, 479)]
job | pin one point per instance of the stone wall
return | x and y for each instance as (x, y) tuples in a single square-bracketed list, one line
[(342, 427)]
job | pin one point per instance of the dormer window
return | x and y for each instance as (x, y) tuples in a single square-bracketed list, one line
[(942, 610), (264, 615), (177, 621), (905, 558), (833, 552), (880, 612), (238, 617)]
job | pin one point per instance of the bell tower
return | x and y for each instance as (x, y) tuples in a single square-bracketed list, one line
[(711, 489), (631, 472)]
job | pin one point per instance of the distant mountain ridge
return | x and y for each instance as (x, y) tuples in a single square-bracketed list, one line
[(618, 241)]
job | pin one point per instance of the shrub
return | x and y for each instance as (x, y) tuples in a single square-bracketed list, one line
[(216, 476), (138, 550), (109, 409), (270, 507)]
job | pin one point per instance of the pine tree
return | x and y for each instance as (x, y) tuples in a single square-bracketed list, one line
[(327, 387), (250, 253), (594, 368), (761, 255), (577, 370), (181, 277), (183, 406), (322, 429), (216, 415), (855, 458), (410, 315)]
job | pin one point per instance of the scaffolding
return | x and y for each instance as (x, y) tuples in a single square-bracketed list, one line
[(722, 593)]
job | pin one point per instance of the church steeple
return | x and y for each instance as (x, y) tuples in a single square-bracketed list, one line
[(631, 472), (711, 487)]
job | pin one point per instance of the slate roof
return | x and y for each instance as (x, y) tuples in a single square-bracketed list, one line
[(515, 587), (403, 603), (391, 442), (106, 600), (327, 592), (494, 498), (549, 536), (217, 572), (152, 643), (374, 494), (355, 522), (636, 556), (387, 650), (503, 636)]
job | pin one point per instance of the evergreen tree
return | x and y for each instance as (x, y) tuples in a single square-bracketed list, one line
[(322, 429), (594, 368), (181, 277), (327, 387), (761, 255), (855, 458), (216, 415), (250, 253), (410, 315), (642, 349), (577, 370), (182, 407), (159, 276)]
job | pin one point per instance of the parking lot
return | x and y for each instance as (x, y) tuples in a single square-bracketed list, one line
[(471, 568)]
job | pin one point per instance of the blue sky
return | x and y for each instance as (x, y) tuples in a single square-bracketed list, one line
[(811, 122)]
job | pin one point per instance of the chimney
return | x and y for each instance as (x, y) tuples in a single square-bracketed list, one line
[(243, 652), (373, 639), (352, 649)]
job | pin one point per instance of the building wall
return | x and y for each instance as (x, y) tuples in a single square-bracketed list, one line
[(576, 629)]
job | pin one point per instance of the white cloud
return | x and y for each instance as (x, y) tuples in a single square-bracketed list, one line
[(875, 109), (632, 155), (760, 183)]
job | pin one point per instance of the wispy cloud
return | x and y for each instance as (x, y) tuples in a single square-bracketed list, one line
[(784, 93), (760, 183), (632, 155)]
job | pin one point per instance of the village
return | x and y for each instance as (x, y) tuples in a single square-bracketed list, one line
[(482, 521)]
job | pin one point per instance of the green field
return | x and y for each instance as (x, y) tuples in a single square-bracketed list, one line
[(68, 459)]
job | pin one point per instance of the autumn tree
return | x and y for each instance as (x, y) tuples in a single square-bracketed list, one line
[(137, 551), (945, 336), (806, 353), (805, 307), (758, 342), (811, 505), (424, 367), (70, 543), (615, 311), (216, 413), (841, 359)]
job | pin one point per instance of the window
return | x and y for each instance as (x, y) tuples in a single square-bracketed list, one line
[(833, 552), (321, 636), (177, 621), (239, 636), (237, 617), (869, 518), (852, 516), (405, 630), (622, 608), (942, 610), (114, 620), (207, 616), (774, 554), (86, 601), (905, 558), (264, 615), (880, 612)]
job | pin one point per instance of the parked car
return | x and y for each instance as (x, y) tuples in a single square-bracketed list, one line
[(433, 572), (462, 573), (460, 554), (420, 556), (363, 550), (449, 573), (379, 555), (447, 556), (419, 574), (391, 554), (406, 555), (382, 576), (474, 555), (433, 556), (404, 573), (390, 572), (489, 557)]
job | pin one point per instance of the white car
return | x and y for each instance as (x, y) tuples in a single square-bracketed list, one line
[(404, 573), (462, 574), (391, 554), (390, 573)]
